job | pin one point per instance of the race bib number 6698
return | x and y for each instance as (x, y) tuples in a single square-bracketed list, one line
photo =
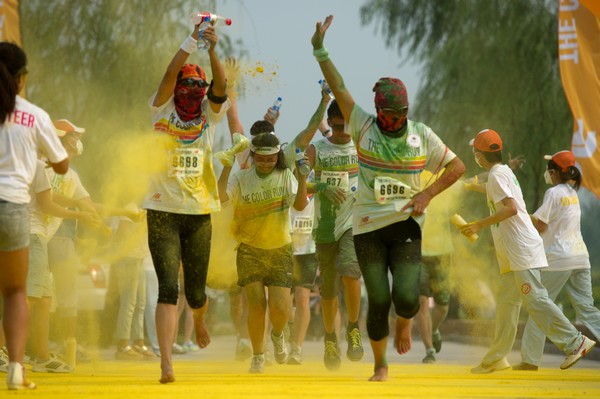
[(186, 162)]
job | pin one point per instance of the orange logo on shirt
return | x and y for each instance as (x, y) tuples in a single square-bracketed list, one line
[(525, 288)]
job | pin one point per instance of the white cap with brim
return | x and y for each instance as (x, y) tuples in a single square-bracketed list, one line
[(64, 126), (265, 150)]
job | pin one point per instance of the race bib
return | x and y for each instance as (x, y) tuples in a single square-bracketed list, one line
[(186, 162), (303, 224), (388, 189), (335, 178)]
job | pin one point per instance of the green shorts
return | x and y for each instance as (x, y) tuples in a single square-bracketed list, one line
[(305, 271), (434, 278), (273, 267), (336, 260)]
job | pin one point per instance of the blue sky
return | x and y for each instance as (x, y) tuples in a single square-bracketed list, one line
[(277, 36)]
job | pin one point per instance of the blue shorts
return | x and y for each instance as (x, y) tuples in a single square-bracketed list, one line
[(14, 226)]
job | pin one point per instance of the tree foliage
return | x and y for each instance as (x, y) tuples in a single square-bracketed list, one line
[(98, 62), (486, 64)]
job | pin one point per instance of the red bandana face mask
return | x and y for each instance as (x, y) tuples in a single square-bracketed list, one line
[(391, 103), (390, 121), (188, 100), (190, 90)]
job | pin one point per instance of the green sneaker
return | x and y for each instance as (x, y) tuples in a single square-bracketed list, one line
[(355, 350), (332, 356), (430, 356), (436, 339)]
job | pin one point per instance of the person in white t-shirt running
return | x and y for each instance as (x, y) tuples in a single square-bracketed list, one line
[(520, 254), (181, 197), (389, 211), (25, 131), (558, 220)]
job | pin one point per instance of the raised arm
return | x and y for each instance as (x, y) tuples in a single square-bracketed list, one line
[(330, 72), (167, 84), (304, 138)]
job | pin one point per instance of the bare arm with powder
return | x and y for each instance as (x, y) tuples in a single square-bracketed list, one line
[(454, 169), (330, 72)]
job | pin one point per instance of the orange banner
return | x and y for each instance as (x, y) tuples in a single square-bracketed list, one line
[(579, 59), (10, 30)]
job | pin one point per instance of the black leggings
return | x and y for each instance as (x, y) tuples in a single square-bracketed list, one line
[(396, 248), (173, 238)]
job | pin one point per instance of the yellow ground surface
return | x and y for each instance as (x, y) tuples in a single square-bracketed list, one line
[(206, 375)]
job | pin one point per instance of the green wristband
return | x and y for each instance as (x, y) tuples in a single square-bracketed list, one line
[(321, 54)]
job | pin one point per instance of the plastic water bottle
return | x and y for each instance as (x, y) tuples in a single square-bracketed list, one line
[(274, 110), (325, 87), (205, 19), (303, 166)]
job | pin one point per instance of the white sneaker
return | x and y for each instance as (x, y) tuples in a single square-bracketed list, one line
[(52, 365), (15, 379), (190, 346), (295, 355), (178, 349), (243, 349), (3, 360), (257, 365), (499, 365), (583, 349), (280, 348)]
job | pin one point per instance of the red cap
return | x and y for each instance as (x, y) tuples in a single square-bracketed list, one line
[(487, 140), (191, 71), (563, 159)]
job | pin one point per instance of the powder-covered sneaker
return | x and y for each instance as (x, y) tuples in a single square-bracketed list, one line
[(15, 378), (499, 365), (583, 349), (280, 348), (295, 355), (332, 357), (127, 353), (243, 349), (430, 356), (523, 366), (146, 353), (190, 346), (436, 339), (4, 360), (51, 365), (355, 350), (257, 364), (178, 349)]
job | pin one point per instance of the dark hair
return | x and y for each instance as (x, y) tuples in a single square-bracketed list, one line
[(13, 62), (262, 126), (334, 110), (492, 157), (270, 140), (572, 173)]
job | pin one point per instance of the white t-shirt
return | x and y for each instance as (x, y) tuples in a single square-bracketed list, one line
[(518, 244), (38, 220), (563, 242), (187, 183), (27, 132), (389, 169), (301, 229)]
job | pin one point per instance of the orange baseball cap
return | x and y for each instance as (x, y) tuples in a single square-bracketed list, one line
[(563, 159), (191, 71), (487, 140)]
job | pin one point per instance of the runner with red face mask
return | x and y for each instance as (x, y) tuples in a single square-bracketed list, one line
[(389, 210), (185, 111)]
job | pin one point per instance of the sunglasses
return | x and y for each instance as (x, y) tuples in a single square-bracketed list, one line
[(193, 82), (400, 111)]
